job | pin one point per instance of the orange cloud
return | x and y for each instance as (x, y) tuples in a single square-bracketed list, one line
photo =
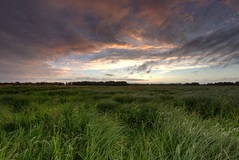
[(232, 3)]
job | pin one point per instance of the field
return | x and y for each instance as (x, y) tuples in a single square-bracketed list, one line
[(119, 123)]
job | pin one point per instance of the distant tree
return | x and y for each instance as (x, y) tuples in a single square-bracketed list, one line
[(17, 83), (27, 83), (193, 83), (58, 83), (100, 83), (224, 83)]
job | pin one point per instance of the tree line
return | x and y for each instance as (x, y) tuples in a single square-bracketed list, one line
[(113, 83)]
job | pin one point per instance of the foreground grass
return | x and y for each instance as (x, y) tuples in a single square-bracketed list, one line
[(119, 123)]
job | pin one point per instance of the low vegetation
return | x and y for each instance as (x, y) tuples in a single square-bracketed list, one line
[(126, 122)]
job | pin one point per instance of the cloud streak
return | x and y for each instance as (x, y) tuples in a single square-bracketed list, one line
[(220, 48)]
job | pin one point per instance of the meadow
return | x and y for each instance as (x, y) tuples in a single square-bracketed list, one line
[(119, 122)]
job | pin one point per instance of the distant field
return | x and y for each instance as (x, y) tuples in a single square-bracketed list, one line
[(119, 123)]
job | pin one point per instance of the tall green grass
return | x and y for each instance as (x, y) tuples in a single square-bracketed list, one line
[(135, 123)]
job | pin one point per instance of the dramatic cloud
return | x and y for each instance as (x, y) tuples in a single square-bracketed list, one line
[(37, 35), (218, 48)]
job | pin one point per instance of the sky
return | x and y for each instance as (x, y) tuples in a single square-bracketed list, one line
[(138, 41)]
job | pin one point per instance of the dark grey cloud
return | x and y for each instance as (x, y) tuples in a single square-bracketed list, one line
[(125, 54), (50, 29), (42, 30), (107, 74), (145, 67), (27, 71), (220, 48), (192, 20)]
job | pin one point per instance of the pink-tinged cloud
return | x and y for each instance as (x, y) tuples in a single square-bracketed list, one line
[(39, 31)]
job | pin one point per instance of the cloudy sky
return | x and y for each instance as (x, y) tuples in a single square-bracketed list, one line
[(143, 41)]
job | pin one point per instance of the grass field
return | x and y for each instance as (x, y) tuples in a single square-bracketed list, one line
[(119, 123)]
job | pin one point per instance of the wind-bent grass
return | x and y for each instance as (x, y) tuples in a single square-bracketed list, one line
[(119, 123)]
